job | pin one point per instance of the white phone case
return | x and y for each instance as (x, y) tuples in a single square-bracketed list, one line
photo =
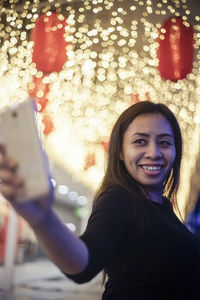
[(20, 136)]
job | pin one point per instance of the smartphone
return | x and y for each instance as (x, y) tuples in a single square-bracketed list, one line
[(19, 133)]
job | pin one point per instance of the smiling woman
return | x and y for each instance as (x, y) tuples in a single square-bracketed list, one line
[(146, 126), (133, 233)]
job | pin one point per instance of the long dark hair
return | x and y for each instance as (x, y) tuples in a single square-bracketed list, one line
[(116, 172)]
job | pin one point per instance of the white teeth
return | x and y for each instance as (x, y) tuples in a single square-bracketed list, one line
[(151, 168)]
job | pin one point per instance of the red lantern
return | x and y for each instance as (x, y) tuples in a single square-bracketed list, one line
[(48, 124), (176, 49), (49, 50), (90, 161), (105, 145), (136, 98), (39, 90)]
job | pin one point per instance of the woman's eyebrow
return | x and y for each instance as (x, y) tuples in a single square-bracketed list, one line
[(140, 134), (166, 134), (147, 135)]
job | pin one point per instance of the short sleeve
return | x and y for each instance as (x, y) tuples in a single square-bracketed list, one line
[(106, 231)]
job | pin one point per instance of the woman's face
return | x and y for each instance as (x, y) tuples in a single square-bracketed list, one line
[(148, 149)]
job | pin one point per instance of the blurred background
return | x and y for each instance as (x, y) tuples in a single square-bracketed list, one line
[(84, 62)]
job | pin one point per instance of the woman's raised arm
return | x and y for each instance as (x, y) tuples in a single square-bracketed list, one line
[(63, 247)]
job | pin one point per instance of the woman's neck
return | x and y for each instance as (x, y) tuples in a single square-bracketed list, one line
[(156, 198), (155, 195)]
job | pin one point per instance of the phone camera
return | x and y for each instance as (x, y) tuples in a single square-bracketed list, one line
[(14, 114)]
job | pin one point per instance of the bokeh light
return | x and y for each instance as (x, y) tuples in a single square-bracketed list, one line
[(112, 56)]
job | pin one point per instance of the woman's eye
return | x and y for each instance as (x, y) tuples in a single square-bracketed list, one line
[(164, 143), (140, 142)]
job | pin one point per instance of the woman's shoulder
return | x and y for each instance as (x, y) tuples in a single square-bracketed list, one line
[(119, 202), (115, 198)]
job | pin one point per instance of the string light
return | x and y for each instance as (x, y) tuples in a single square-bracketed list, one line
[(109, 59)]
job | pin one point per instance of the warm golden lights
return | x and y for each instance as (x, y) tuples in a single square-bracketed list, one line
[(112, 55)]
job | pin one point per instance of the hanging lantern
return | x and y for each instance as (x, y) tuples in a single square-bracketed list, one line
[(49, 50), (48, 124), (90, 161), (135, 98), (39, 91), (176, 49), (105, 145)]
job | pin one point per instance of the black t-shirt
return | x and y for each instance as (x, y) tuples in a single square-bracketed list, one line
[(160, 260)]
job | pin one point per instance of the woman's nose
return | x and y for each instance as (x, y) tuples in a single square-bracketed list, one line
[(153, 151)]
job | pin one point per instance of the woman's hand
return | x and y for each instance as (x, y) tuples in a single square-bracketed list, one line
[(12, 186)]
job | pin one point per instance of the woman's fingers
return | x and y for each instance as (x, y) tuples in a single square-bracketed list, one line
[(7, 162), (8, 191), (12, 164), (11, 185), (8, 176), (11, 191), (2, 149)]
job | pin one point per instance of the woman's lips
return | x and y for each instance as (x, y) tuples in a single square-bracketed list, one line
[(152, 169)]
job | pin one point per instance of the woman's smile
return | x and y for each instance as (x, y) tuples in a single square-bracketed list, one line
[(152, 169)]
